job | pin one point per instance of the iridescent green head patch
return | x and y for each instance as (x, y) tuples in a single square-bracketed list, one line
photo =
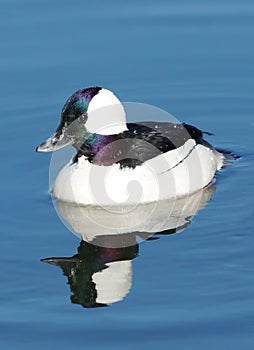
[(77, 105)]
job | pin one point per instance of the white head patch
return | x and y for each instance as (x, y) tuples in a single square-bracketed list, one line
[(106, 114)]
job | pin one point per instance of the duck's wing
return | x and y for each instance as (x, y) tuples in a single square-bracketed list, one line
[(169, 135), (150, 139)]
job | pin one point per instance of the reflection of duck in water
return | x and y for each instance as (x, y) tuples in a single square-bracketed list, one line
[(100, 273), (97, 224), (98, 276)]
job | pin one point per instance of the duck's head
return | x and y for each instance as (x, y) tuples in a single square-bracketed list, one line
[(94, 110)]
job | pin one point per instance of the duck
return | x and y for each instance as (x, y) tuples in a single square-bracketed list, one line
[(127, 163)]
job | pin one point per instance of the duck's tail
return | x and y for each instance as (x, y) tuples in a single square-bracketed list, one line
[(228, 156)]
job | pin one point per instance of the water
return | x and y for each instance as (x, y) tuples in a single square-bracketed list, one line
[(192, 58)]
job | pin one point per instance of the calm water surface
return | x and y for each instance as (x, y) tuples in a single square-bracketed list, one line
[(193, 289)]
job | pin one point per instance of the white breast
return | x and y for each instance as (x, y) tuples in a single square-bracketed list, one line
[(173, 174)]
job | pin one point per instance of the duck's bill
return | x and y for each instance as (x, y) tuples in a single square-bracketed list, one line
[(56, 141)]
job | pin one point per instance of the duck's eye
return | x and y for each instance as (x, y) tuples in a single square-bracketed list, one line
[(83, 118)]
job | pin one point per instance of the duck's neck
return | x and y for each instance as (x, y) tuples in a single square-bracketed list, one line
[(99, 149)]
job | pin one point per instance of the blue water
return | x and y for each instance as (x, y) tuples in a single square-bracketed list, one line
[(192, 58)]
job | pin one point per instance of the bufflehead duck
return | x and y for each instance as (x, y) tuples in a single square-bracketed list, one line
[(126, 163)]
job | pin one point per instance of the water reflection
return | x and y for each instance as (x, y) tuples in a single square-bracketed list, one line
[(98, 276), (100, 273)]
